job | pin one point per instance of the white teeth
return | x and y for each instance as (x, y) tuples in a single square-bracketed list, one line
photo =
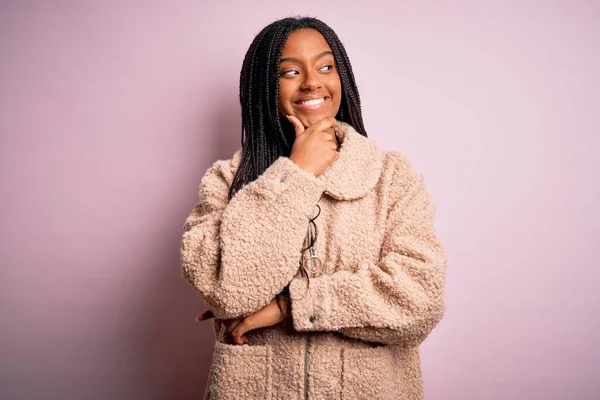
[(312, 102)]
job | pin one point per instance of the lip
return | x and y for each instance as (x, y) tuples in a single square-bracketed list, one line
[(309, 107)]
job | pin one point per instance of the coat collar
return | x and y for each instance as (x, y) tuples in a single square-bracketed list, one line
[(357, 169)]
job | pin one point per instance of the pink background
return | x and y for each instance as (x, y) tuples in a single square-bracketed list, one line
[(110, 112)]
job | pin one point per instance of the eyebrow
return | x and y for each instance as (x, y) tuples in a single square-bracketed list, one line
[(294, 59)]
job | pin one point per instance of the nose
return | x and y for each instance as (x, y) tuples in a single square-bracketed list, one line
[(311, 81)]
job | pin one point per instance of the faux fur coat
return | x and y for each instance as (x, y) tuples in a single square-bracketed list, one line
[(357, 323)]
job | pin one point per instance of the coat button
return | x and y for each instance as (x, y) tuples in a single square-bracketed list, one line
[(312, 318)]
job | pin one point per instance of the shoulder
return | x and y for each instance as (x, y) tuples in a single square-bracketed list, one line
[(397, 161), (400, 174), (399, 166)]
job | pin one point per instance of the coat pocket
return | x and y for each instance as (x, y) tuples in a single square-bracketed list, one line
[(241, 372), (370, 373)]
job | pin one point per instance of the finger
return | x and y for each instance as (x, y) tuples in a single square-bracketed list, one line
[(329, 139), (298, 127), (331, 131), (325, 123), (231, 325), (238, 333), (329, 135), (239, 339), (205, 315)]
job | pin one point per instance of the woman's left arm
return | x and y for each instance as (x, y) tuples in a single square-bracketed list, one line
[(398, 300)]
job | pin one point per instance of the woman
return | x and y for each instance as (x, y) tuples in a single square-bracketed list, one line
[(314, 250)]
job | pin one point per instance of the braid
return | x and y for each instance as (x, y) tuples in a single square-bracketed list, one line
[(263, 139)]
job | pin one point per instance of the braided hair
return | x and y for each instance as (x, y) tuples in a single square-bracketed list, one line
[(263, 137)]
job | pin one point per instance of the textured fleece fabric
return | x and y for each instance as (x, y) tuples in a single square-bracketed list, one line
[(356, 323)]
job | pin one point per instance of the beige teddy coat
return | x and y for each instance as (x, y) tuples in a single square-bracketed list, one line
[(355, 333)]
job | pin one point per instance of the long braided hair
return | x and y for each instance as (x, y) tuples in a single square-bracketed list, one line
[(263, 137)]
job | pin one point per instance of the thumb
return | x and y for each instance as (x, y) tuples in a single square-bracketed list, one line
[(298, 127)]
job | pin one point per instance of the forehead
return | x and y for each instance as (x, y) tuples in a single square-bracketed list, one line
[(305, 43)]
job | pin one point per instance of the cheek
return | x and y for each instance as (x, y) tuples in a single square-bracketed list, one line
[(335, 85), (338, 87), (335, 89)]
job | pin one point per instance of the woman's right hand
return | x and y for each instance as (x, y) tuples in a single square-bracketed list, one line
[(315, 148)]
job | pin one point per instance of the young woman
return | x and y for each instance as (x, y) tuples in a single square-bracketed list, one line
[(314, 250)]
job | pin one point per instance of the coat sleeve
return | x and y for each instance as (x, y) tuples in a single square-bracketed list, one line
[(239, 254), (399, 299)]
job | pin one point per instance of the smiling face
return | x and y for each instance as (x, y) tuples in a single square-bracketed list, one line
[(309, 86)]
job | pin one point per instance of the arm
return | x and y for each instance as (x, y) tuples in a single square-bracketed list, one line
[(398, 300), (239, 254)]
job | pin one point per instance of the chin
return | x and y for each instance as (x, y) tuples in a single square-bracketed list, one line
[(311, 119)]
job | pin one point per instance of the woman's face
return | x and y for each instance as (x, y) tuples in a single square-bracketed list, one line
[(309, 87)]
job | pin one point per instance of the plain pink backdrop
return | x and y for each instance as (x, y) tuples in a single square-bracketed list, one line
[(110, 112)]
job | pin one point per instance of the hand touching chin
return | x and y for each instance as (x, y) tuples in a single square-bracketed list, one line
[(310, 120)]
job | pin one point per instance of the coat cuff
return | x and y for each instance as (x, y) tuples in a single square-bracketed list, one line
[(311, 307), (325, 306), (305, 312), (291, 184)]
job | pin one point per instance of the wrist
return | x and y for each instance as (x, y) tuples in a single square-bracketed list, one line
[(302, 166), (283, 303), (287, 306)]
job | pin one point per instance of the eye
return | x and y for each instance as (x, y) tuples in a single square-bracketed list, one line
[(329, 68), (291, 72)]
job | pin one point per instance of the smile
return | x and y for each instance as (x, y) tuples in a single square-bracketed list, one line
[(311, 104)]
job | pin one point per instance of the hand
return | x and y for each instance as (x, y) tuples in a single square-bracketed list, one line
[(269, 315), (205, 315), (315, 148)]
